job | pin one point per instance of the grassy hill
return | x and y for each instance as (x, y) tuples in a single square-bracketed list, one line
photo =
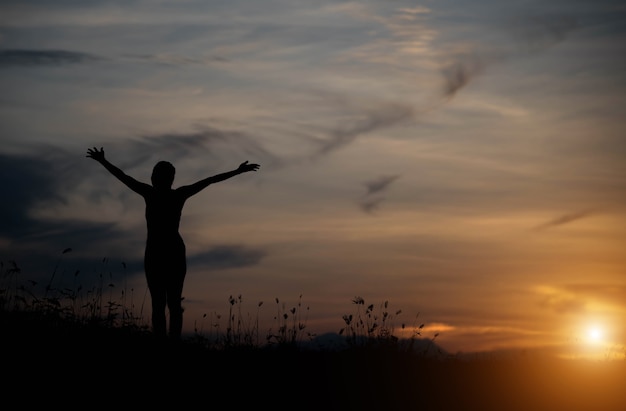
[(50, 361), (71, 348)]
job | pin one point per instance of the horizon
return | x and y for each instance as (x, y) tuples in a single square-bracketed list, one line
[(464, 164), (367, 320)]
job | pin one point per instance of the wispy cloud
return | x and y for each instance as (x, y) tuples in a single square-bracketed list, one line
[(611, 292), (170, 59), (227, 256), (373, 197), (205, 141), (537, 32), (20, 57), (459, 74), (380, 184), (369, 205), (530, 33), (583, 298), (367, 120), (565, 219), (563, 302)]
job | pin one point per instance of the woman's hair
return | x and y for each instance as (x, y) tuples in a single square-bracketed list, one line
[(163, 175)]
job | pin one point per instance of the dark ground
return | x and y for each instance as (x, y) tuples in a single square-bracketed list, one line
[(47, 365)]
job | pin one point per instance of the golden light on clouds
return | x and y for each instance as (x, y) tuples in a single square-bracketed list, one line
[(560, 301)]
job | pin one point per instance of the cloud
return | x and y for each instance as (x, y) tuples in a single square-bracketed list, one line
[(459, 74), (382, 115), (170, 59), (610, 292), (563, 303), (537, 32), (21, 57), (35, 243), (565, 219), (183, 146), (369, 205), (375, 188), (227, 256), (380, 184), (583, 297), (531, 33), (26, 180)]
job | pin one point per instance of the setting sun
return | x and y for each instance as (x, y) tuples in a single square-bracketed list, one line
[(595, 334)]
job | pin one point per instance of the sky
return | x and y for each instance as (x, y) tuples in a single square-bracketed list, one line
[(461, 161)]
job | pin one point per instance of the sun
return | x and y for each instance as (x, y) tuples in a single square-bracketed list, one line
[(595, 334)]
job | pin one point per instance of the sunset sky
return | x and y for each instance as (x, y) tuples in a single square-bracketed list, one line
[(464, 161)]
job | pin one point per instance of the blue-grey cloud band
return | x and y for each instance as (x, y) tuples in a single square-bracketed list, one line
[(21, 57), (227, 256), (35, 243)]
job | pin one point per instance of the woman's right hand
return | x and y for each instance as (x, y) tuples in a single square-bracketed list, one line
[(96, 154)]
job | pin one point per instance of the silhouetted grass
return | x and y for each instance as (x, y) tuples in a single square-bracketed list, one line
[(57, 307)]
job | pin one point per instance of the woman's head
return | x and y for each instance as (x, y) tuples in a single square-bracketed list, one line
[(163, 175)]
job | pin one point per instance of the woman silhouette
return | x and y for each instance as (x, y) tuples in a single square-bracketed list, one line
[(165, 262)]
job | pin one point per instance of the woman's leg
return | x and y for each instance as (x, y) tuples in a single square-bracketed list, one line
[(174, 301), (158, 294)]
